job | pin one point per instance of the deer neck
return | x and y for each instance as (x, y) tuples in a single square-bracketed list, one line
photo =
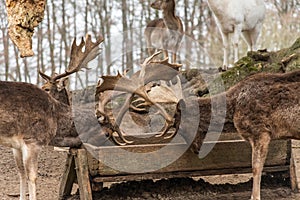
[(62, 96), (170, 20)]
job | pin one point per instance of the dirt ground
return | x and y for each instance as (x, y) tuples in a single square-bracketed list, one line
[(51, 165)]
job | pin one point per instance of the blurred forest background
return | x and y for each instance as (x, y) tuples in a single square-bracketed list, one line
[(122, 23)]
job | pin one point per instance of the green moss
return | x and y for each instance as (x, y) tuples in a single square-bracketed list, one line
[(284, 60), (296, 45)]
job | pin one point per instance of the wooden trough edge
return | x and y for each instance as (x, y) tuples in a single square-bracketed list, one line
[(77, 169), (184, 174)]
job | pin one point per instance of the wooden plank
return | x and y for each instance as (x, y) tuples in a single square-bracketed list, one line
[(82, 172), (147, 176), (225, 155), (295, 169), (68, 178)]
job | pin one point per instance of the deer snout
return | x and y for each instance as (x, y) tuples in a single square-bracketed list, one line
[(156, 5)]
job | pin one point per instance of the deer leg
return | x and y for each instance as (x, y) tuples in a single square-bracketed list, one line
[(259, 154), (248, 39), (166, 55), (30, 161), (251, 36), (174, 57), (225, 37), (235, 40), (22, 174), (151, 51)]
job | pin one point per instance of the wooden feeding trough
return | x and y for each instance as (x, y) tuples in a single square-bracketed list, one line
[(230, 155)]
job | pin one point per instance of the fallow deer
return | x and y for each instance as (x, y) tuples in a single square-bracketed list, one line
[(262, 107), (112, 86), (238, 17), (166, 33), (31, 117)]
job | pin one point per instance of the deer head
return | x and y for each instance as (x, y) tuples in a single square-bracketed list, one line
[(163, 4), (55, 85), (81, 55), (138, 85)]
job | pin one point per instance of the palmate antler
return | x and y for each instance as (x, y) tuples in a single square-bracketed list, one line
[(81, 55), (112, 86)]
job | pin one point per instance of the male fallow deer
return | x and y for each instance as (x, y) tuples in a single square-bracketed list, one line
[(110, 87), (166, 33), (238, 17), (31, 117), (262, 107)]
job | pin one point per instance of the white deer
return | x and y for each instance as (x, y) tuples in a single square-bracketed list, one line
[(32, 117), (238, 17)]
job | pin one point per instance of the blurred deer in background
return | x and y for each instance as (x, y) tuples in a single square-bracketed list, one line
[(31, 117), (238, 17), (166, 33)]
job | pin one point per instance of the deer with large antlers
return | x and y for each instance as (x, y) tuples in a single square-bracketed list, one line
[(32, 117), (165, 33), (109, 87)]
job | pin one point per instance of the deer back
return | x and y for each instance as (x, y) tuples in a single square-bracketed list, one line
[(269, 103), (28, 112)]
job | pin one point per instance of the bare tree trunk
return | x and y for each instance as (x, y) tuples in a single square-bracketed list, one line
[(127, 48), (87, 10), (51, 32), (26, 72), (18, 67), (107, 11), (5, 40)]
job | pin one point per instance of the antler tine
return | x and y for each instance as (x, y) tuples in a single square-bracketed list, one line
[(81, 57), (146, 62), (166, 62), (149, 59)]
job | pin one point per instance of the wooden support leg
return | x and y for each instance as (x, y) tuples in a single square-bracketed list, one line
[(82, 172), (293, 176), (68, 178), (76, 168), (294, 168)]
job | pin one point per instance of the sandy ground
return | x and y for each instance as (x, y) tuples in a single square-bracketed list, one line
[(51, 165)]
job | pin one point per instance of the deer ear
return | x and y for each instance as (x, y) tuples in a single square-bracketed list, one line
[(65, 82), (62, 83), (44, 76)]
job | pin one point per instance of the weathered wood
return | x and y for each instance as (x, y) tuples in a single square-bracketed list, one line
[(295, 169), (82, 172), (182, 174), (230, 154), (68, 178)]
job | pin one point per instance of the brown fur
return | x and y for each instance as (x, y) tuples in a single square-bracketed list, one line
[(31, 118), (33, 114), (262, 107)]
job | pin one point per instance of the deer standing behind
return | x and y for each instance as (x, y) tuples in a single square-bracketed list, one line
[(238, 17), (165, 33), (262, 107), (31, 117)]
